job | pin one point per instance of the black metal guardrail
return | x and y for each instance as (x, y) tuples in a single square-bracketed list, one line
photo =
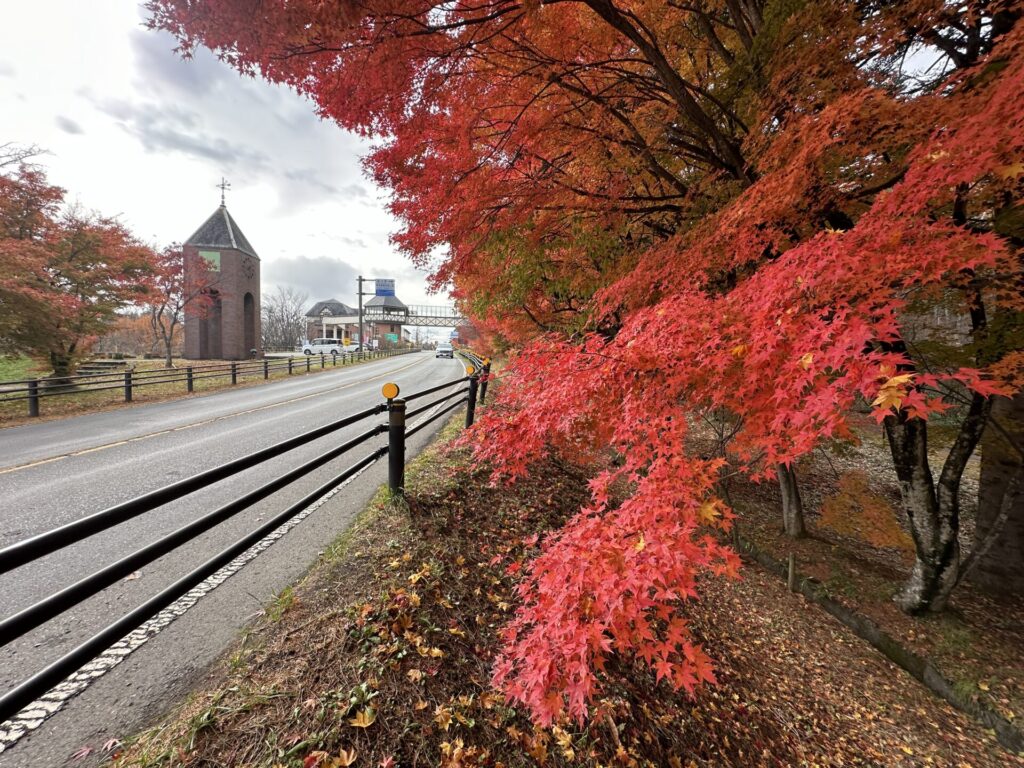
[(31, 549), (34, 390)]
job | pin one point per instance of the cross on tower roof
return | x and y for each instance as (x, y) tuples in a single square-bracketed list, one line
[(224, 184)]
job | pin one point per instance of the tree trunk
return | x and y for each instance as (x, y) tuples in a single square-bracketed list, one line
[(933, 511), (936, 547), (792, 507), (1000, 566), (168, 351), (61, 363)]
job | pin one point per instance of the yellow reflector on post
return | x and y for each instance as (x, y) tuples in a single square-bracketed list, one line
[(470, 370), (389, 390)]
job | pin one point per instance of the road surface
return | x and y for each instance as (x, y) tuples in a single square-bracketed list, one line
[(56, 472)]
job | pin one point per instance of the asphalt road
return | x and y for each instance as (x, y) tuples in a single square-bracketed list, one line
[(56, 472)]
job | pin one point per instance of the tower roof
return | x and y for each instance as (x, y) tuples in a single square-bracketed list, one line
[(221, 231)]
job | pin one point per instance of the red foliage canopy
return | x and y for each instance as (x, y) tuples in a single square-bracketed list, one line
[(672, 210)]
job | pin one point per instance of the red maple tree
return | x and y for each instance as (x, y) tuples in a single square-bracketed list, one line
[(677, 210), (64, 272)]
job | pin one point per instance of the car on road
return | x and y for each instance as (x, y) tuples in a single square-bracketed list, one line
[(322, 347), (444, 349)]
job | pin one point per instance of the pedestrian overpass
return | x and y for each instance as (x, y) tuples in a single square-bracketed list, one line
[(415, 315)]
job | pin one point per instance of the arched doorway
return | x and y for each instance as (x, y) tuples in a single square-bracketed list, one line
[(209, 329), (249, 322)]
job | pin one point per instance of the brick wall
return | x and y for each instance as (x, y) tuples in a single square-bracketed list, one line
[(204, 340)]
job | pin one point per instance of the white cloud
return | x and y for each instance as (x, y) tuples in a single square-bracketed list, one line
[(162, 131), (68, 125)]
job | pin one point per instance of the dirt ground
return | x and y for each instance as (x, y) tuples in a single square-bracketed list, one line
[(381, 657)]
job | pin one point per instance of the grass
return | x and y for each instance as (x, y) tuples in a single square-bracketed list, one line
[(77, 403), (281, 603), (19, 367)]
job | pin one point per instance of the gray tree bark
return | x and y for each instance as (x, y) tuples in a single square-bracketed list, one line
[(932, 509), (792, 506)]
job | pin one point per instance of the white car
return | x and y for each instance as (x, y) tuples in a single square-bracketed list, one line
[(444, 349), (322, 347)]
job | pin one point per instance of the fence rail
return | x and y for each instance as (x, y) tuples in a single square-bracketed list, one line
[(470, 389), (34, 390)]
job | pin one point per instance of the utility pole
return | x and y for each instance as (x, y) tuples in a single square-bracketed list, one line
[(359, 284), (359, 293)]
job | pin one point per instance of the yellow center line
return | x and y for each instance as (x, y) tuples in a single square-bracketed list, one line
[(138, 438)]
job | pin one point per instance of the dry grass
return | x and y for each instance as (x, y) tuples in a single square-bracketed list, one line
[(381, 657), (77, 403)]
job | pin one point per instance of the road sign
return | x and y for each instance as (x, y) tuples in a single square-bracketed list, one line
[(384, 287)]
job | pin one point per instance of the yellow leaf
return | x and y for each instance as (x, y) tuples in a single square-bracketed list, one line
[(806, 360), (708, 511), (364, 719), (892, 392), (907, 750), (739, 350), (888, 398), (1012, 170), (983, 686), (564, 739), (415, 675), (420, 705), (346, 757), (640, 544), (443, 717)]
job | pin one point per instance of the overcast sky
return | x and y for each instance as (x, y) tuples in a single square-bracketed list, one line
[(135, 131)]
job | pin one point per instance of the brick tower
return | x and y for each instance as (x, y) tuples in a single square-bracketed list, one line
[(229, 328)]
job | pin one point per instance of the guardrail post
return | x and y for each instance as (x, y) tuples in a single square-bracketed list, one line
[(483, 384), (309, 360), (289, 366), (128, 386), (396, 446), (266, 368), (471, 403), (334, 360), (234, 373), (33, 397), (189, 384)]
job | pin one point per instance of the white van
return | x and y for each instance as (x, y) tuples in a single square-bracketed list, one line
[(322, 347)]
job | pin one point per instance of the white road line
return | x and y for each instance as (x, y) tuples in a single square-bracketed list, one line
[(36, 713), (94, 449)]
